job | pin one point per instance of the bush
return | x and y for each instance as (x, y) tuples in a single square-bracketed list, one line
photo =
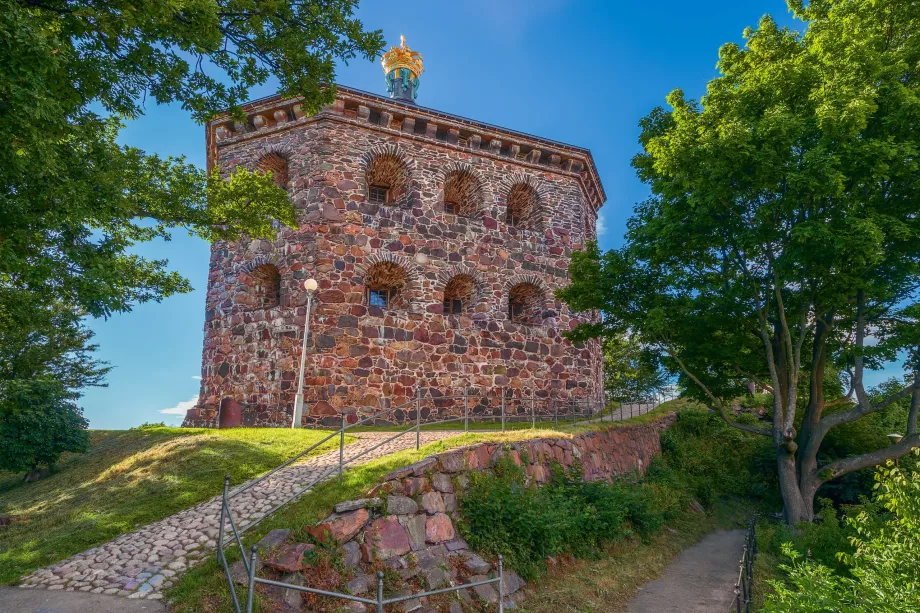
[(38, 422), (883, 564), (707, 458), (525, 524)]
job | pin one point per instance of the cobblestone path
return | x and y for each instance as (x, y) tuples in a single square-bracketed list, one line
[(143, 563)]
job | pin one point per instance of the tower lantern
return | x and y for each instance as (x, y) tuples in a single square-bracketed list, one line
[(402, 67)]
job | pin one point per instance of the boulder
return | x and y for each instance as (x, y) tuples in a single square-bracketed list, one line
[(401, 505), (354, 505), (439, 528), (288, 558), (388, 537), (475, 564), (416, 528), (272, 540), (436, 577), (341, 529), (433, 503), (442, 483)]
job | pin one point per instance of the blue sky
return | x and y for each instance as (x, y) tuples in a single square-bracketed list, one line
[(579, 72)]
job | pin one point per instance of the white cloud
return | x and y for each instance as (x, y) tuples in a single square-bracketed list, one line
[(601, 225), (197, 377), (181, 408)]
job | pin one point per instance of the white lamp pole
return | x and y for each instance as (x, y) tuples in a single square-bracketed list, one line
[(310, 286)]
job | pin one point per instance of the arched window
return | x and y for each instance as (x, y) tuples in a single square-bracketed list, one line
[(278, 166), (462, 193), (387, 179), (458, 294), (522, 206), (384, 285), (265, 286), (525, 304)]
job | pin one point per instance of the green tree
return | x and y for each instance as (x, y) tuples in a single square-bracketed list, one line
[(782, 232), (45, 360), (631, 372), (884, 565), (75, 201)]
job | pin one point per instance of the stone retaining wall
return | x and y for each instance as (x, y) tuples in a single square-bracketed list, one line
[(406, 522)]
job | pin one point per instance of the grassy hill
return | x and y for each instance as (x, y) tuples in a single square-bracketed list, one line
[(128, 479)]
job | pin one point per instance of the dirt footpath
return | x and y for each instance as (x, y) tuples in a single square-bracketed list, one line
[(699, 580)]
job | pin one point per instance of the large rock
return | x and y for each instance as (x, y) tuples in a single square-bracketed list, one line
[(288, 558), (354, 505), (439, 528), (361, 584), (451, 462), (441, 482), (272, 540), (487, 592), (342, 529), (416, 527), (388, 537), (475, 564), (433, 503), (401, 505), (352, 557)]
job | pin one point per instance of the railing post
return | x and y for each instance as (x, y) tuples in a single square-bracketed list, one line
[(533, 411), (501, 585), (342, 448), (574, 406), (220, 527), (503, 410), (418, 420), (466, 409), (555, 413), (252, 579), (379, 591)]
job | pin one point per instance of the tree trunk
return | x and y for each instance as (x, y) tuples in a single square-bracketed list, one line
[(796, 506)]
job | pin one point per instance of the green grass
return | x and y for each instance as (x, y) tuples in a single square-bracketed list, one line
[(128, 479)]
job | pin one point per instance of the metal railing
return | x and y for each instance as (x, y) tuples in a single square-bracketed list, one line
[(506, 407), (745, 582)]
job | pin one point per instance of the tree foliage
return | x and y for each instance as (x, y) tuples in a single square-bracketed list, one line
[(75, 201), (782, 231), (884, 566), (45, 359), (631, 372)]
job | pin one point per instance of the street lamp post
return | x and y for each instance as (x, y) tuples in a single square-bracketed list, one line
[(310, 286)]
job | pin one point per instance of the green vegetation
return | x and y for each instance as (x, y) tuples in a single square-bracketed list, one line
[(503, 515), (703, 460), (128, 479), (881, 565), (792, 186), (76, 202), (204, 589)]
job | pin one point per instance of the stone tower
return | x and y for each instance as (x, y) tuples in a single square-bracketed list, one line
[(436, 240)]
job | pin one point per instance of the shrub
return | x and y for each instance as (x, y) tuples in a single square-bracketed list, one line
[(525, 523), (883, 565), (710, 459), (38, 422)]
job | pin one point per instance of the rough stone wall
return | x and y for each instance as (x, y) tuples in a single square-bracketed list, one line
[(422, 498), (363, 358)]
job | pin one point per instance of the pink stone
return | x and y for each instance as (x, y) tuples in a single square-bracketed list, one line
[(289, 559), (389, 538), (439, 528), (342, 529)]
